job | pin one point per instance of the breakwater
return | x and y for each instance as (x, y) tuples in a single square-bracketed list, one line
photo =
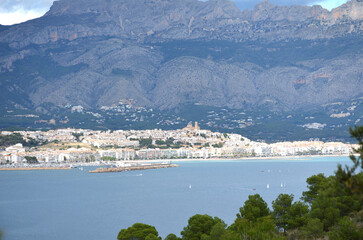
[(133, 168)]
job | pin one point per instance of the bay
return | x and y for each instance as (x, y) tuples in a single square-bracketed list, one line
[(74, 204)]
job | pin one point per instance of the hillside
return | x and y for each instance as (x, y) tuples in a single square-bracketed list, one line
[(168, 54)]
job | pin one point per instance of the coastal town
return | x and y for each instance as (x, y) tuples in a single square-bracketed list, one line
[(99, 147)]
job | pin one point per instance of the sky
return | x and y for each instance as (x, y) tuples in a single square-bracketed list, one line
[(17, 11)]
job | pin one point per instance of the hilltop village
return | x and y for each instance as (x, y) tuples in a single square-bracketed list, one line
[(81, 145)]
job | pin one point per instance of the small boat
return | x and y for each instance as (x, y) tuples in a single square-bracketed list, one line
[(190, 186), (282, 185), (268, 186)]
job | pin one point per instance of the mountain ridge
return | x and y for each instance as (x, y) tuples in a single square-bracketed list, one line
[(193, 19), (166, 53)]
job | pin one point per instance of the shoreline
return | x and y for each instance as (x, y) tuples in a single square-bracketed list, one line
[(286, 158), (34, 168)]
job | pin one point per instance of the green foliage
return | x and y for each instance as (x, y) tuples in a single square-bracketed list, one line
[(145, 142), (169, 141), (262, 228), (348, 176), (218, 145), (199, 225), (288, 215), (281, 210), (139, 231), (326, 210), (160, 142), (31, 159), (333, 200), (203, 135), (218, 230), (172, 236), (298, 215), (8, 140), (254, 208), (77, 136), (316, 183), (345, 229), (313, 229), (152, 237), (31, 142), (107, 158), (287, 53)]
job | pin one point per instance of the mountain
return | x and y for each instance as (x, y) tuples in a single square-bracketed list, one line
[(166, 54)]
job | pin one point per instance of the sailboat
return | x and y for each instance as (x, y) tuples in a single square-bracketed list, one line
[(190, 186), (282, 185), (268, 186)]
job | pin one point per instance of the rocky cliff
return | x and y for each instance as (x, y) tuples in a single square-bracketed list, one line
[(166, 53)]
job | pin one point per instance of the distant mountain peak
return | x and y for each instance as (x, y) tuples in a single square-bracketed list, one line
[(265, 4), (352, 9)]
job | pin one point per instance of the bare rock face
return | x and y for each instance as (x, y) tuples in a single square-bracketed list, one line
[(350, 10), (191, 19), (270, 12), (165, 53)]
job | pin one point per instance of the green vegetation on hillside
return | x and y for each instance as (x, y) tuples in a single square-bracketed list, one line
[(12, 139), (331, 208), (263, 54)]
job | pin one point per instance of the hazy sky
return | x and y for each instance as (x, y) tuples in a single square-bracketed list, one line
[(16, 11)]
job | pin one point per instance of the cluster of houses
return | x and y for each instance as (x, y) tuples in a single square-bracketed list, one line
[(191, 142)]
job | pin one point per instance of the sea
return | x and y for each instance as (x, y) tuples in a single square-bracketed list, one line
[(75, 205)]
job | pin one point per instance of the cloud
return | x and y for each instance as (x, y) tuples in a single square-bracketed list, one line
[(17, 11), (26, 5), (18, 16)]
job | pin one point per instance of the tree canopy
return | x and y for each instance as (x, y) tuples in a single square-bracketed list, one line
[(199, 225), (139, 231), (254, 208)]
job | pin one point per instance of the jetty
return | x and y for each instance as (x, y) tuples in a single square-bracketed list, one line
[(133, 168)]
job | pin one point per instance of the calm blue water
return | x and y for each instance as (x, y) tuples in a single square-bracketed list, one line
[(74, 204)]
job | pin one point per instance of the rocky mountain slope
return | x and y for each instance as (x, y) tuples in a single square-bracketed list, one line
[(169, 53)]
